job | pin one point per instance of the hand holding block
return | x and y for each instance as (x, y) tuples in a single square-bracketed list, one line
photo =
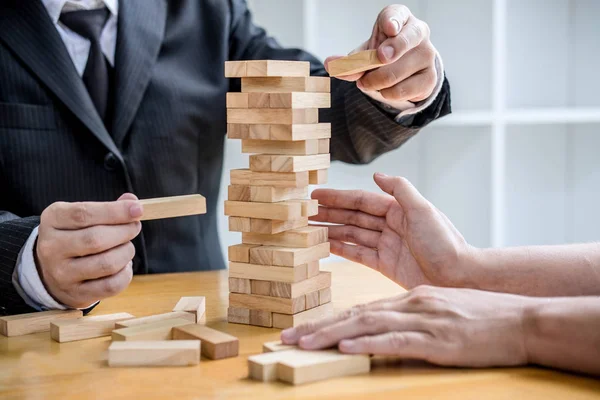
[(169, 207), (354, 63), (24, 324), (194, 305), (159, 353), (215, 344), (86, 328)]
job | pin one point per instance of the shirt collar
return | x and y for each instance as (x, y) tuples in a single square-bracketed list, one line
[(55, 7)]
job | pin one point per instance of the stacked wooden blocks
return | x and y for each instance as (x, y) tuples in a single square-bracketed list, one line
[(274, 277)]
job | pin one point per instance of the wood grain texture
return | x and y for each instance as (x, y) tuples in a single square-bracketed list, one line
[(282, 147), (159, 330), (274, 179), (324, 296), (318, 177), (239, 315), (155, 318), (275, 304), (302, 237), (354, 63), (268, 226), (276, 346), (268, 272), (286, 116), (265, 194), (299, 100), (282, 211), (280, 132), (292, 290), (70, 330), (286, 84), (283, 321), (261, 318), (192, 304), (161, 353), (25, 324), (265, 68), (288, 256), (238, 285), (312, 300), (271, 163), (215, 344), (170, 207)]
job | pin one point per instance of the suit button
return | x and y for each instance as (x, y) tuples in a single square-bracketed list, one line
[(111, 162)]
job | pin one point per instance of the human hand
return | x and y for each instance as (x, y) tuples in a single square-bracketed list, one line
[(84, 251), (403, 45), (399, 234), (452, 327)]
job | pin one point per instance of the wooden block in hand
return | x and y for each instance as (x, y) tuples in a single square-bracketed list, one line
[(302, 237), (283, 321), (240, 252), (315, 84), (354, 63), (269, 347), (268, 272), (264, 68), (159, 330), (282, 211), (279, 305), (318, 177), (270, 226), (246, 177), (271, 163), (239, 315), (159, 353), (24, 324), (215, 344), (195, 305), (282, 147), (170, 207), (70, 330), (286, 116), (265, 194), (155, 318), (287, 256), (289, 290)]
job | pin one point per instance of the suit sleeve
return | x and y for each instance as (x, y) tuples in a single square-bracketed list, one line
[(361, 129)]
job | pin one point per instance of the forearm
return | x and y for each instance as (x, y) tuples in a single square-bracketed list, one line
[(564, 333), (549, 271)]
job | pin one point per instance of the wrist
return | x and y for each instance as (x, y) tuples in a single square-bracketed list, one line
[(465, 275), (532, 327)]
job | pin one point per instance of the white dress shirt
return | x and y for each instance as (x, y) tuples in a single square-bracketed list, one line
[(25, 277)]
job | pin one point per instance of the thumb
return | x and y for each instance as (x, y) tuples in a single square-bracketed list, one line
[(389, 24), (128, 196), (403, 191)]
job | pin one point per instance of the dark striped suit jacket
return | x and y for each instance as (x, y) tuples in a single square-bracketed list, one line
[(166, 136)]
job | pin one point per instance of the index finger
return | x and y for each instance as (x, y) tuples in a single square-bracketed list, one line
[(70, 216), (370, 203)]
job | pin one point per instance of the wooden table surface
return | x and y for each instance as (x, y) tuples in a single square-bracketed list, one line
[(36, 367)]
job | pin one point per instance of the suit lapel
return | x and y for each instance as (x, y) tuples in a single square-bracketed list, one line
[(140, 35), (26, 28)]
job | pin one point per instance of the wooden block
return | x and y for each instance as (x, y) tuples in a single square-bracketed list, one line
[(269, 347), (170, 207), (238, 193), (238, 285), (262, 68), (237, 100), (235, 69), (286, 116), (240, 252), (195, 305), (263, 367), (312, 300), (281, 147), (70, 330), (154, 353), (318, 177), (283, 321), (301, 237), (272, 226), (287, 84), (282, 211), (267, 163), (275, 179), (215, 344), (301, 366), (324, 296), (264, 194), (268, 272), (299, 100), (299, 132), (308, 207), (159, 330), (291, 290), (238, 131), (239, 224), (24, 324), (313, 269), (279, 305), (155, 318), (248, 100), (261, 318), (286, 256), (354, 63), (238, 315), (323, 146), (259, 131)]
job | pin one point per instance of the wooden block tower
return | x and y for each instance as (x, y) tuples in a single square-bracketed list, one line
[(274, 277)]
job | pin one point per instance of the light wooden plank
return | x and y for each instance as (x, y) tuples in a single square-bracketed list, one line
[(170, 207), (239, 315), (318, 177), (272, 226), (25, 324), (354, 63), (235, 69), (238, 131), (272, 116), (261, 318), (279, 305), (261, 68), (282, 211), (312, 300), (299, 100), (286, 256), (302, 237), (268, 272), (263, 367), (271, 163), (154, 353), (237, 100), (292, 290), (281, 147), (265, 194), (286, 84), (269, 347), (283, 321), (159, 330), (323, 147), (155, 318), (274, 179), (299, 132), (195, 305), (240, 252), (215, 344), (70, 330), (324, 296), (238, 285)]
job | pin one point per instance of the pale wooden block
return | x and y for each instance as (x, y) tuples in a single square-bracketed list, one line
[(215, 344), (259, 131), (170, 207), (272, 116), (301, 366), (308, 208), (313, 269), (324, 296), (288, 256), (275, 179), (283, 321), (302, 237), (235, 69), (240, 252), (159, 330), (262, 288), (282, 211), (264, 194), (282, 147), (261, 318), (261, 68), (239, 224), (286, 84), (269, 347), (238, 131), (318, 177), (195, 305), (155, 318), (291, 290), (323, 146), (238, 315), (263, 367), (258, 100), (268, 272), (312, 300), (271, 163), (154, 353), (272, 226), (70, 330), (299, 132), (238, 285), (354, 63), (261, 163), (279, 305), (237, 100), (299, 100), (24, 324), (238, 193)]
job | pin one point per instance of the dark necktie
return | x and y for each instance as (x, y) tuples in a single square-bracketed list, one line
[(89, 24)]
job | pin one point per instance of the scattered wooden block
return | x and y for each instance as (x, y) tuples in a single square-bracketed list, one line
[(287, 116), (194, 305), (238, 315), (281, 147), (215, 344), (70, 330), (170, 207), (239, 285), (155, 318), (240, 252), (299, 100), (24, 324), (261, 318), (283, 321), (324, 296), (270, 163), (323, 146), (263, 367), (290, 290), (312, 300), (265, 194), (354, 63), (269, 347), (265, 68), (154, 353), (302, 237), (275, 179), (159, 330), (286, 256), (282, 211), (279, 305), (268, 272), (269, 226), (287, 84), (318, 177)]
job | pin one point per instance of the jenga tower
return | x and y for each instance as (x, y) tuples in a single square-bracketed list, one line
[(274, 277)]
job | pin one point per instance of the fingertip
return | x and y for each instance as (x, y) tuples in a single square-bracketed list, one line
[(136, 210), (347, 346), (386, 53), (128, 196), (306, 342), (288, 336), (392, 27)]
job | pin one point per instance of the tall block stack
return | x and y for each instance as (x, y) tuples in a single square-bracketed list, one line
[(274, 276)]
